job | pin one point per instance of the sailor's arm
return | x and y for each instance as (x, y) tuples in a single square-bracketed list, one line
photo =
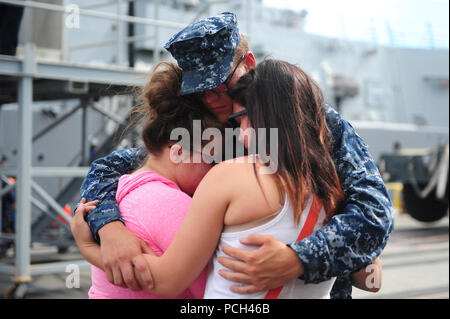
[(354, 237), (101, 184)]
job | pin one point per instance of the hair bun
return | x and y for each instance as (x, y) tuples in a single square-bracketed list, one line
[(166, 109)]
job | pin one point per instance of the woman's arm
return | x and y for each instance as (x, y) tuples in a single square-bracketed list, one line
[(369, 278), (196, 239), (89, 249)]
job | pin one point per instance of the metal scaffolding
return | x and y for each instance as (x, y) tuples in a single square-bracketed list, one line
[(24, 71), (19, 76)]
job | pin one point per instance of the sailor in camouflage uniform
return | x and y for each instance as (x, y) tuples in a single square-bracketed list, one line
[(350, 241)]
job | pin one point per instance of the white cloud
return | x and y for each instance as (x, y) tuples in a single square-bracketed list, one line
[(364, 18)]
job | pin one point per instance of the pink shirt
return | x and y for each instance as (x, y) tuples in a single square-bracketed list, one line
[(153, 208)]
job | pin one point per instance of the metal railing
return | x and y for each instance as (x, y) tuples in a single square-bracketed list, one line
[(72, 10)]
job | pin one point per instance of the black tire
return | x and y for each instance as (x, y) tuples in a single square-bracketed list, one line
[(63, 249), (427, 209), (18, 291)]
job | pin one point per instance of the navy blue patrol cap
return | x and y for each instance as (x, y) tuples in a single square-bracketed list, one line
[(205, 51)]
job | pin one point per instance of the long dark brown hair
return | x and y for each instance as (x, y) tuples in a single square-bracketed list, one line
[(280, 95)]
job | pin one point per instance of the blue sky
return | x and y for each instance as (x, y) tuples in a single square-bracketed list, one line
[(406, 23)]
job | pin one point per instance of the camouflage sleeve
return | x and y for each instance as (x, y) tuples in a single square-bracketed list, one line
[(101, 183), (355, 236)]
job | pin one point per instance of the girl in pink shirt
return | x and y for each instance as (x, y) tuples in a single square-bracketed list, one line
[(153, 207), (154, 200)]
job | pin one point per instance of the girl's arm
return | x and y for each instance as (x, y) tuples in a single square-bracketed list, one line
[(197, 238), (369, 278)]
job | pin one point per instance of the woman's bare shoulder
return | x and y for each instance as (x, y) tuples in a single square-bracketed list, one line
[(230, 174), (248, 163), (236, 167), (240, 173), (243, 161)]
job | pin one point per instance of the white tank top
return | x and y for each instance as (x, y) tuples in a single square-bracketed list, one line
[(284, 229)]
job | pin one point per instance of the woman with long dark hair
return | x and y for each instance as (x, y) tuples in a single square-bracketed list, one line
[(243, 196)]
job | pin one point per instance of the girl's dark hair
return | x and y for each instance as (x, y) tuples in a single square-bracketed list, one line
[(164, 108), (280, 95)]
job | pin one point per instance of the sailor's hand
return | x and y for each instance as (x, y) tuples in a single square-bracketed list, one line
[(118, 248), (142, 272), (271, 266)]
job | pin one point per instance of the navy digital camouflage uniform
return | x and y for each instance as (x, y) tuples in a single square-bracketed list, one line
[(205, 51), (350, 241)]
